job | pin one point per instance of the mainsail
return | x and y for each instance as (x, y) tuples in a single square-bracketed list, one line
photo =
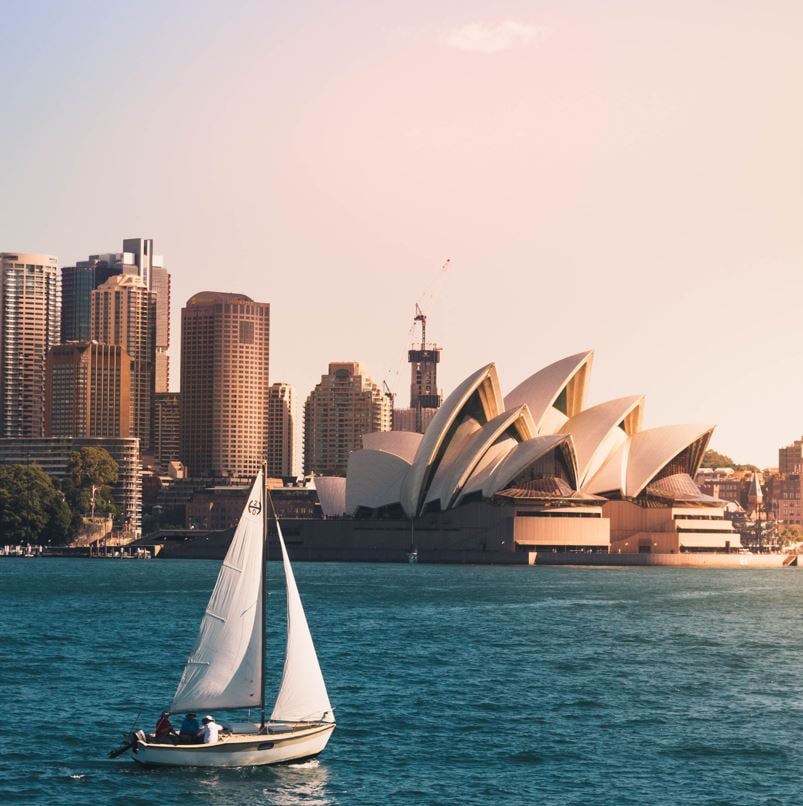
[(302, 693), (225, 667)]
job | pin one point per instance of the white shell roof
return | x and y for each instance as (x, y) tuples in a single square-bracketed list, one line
[(540, 391), (612, 476), (651, 450), (633, 465), (331, 494), (403, 444), (520, 458), (485, 468), (596, 433), (374, 479), (478, 443), (484, 384), (452, 475)]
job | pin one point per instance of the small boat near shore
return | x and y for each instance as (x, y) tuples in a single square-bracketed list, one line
[(226, 670)]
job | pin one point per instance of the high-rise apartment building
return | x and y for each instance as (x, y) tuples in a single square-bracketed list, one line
[(88, 390), (225, 347), (166, 435), (281, 425), (137, 258), (30, 318), (345, 405), (123, 312)]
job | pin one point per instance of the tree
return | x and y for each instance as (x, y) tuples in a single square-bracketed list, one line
[(790, 534), (31, 507), (714, 459), (89, 472)]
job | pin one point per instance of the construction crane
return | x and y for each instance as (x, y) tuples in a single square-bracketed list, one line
[(388, 394), (420, 316)]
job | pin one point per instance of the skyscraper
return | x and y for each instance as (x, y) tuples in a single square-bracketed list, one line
[(160, 284), (225, 347), (150, 267), (77, 284), (281, 424), (345, 405), (88, 390), (30, 314), (137, 258), (123, 312)]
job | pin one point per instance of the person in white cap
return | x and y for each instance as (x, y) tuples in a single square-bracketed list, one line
[(210, 729)]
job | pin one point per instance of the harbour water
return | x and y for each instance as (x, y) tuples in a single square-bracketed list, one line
[(452, 684)]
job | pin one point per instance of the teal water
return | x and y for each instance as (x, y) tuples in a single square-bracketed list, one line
[(471, 685)]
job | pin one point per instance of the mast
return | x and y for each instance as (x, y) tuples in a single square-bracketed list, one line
[(263, 591)]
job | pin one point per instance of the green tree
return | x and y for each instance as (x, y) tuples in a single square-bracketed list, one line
[(716, 459), (32, 509), (90, 471)]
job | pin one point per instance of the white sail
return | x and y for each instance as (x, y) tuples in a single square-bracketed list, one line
[(302, 693), (225, 667)]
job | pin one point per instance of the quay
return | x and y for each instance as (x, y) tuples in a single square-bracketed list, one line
[(389, 542)]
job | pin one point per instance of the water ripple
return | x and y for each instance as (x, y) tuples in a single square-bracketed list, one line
[(467, 685)]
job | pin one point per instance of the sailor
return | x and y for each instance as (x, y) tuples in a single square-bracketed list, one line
[(210, 730), (164, 728), (188, 733)]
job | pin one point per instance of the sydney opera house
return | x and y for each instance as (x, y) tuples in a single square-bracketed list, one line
[(533, 473)]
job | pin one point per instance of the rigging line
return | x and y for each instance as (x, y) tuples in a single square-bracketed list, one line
[(272, 507), (435, 285)]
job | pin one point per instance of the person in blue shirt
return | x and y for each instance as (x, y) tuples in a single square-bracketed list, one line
[(188, 734)]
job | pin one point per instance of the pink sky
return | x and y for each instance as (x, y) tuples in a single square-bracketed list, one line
[(622, 176)]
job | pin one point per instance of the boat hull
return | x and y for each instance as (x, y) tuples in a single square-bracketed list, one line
[(238, 750)]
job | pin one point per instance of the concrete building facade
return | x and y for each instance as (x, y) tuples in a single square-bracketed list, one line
[(225, 361), (417, 419), (143, 261), (786, 499), (88, 390), (137, 258), (790, 458), (166, 427), (345, 405), (123, 313), (30, 322), (77, 284), (281, 430)]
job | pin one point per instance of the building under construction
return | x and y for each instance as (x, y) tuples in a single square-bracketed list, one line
[(425, 397)]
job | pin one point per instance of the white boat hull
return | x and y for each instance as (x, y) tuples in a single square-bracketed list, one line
[(239, 749)]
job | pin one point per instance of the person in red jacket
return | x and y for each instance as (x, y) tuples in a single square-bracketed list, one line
[(164, 728)]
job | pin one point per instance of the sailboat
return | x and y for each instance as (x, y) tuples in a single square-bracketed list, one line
[(226, 670)]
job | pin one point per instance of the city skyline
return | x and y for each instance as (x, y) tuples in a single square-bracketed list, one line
[(624, 179)]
